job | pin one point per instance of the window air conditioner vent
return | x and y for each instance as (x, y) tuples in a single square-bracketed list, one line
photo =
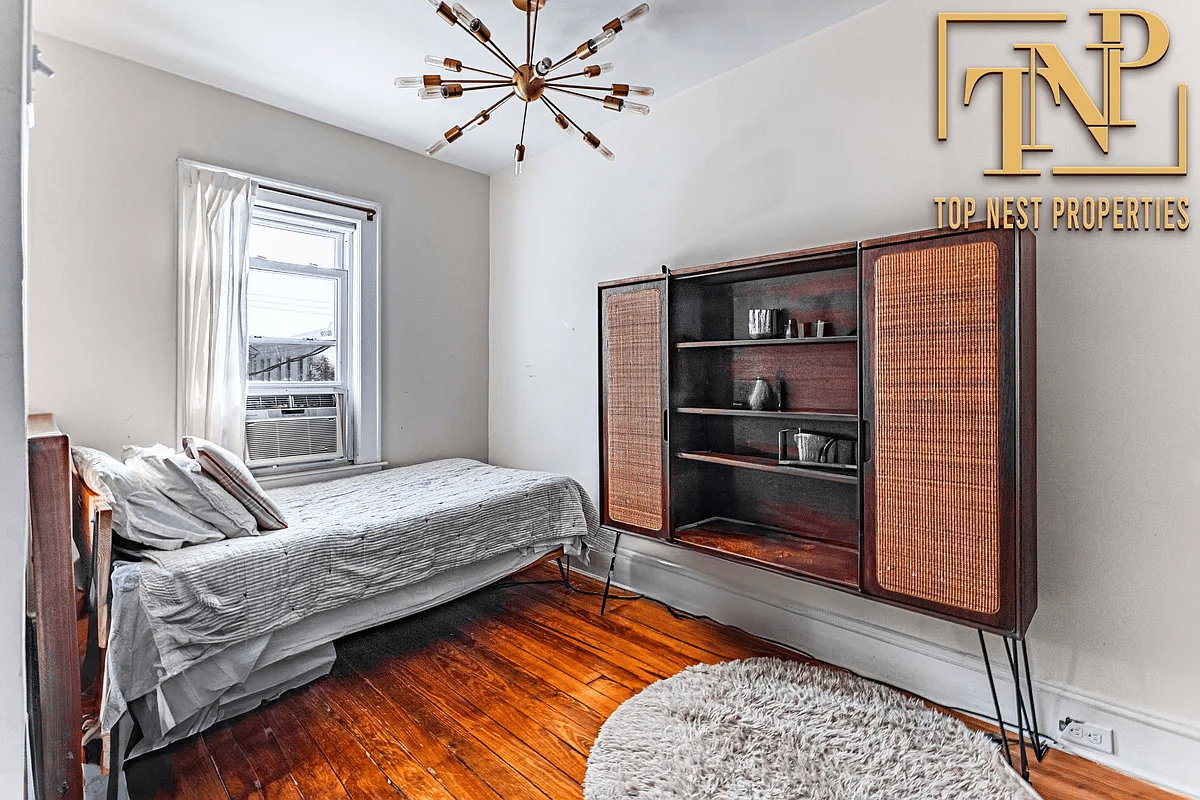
[(267, 401), (291, 435), (314, 401)]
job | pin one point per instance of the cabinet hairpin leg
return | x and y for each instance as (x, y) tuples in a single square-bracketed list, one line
[(612, 565), (1027, 725)]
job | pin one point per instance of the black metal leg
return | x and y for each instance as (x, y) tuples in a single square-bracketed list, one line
[(987, 664), (1022, 718), (1039, 747), (612, 565), (1027, 731)]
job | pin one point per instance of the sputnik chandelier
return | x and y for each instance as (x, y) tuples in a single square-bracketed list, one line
[(530, 81)]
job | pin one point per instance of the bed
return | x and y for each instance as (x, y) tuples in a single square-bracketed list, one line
[(206, 632)]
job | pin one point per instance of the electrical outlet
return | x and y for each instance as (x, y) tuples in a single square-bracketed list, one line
[(1085, 734)]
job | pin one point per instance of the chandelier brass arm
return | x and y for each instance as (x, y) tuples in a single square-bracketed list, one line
[(530, 80)]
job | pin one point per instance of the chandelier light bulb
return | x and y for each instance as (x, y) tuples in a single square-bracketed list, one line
[(434, 4), (447, 90), (636, 108), (464, 16), (640, 11), (451, 64), (479, 119), (604, 151), (543, 67), (607, 66), (410, 82), (436, 147), (603, 40), (641, 91), (518, 158)]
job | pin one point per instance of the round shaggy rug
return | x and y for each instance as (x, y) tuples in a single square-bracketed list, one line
[(769, 729)]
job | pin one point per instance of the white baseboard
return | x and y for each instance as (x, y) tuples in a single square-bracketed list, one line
[(1150, 746)]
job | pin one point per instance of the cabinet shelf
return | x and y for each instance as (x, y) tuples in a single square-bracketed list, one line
[(797, 414), (773, 548), (848, 474), (766, 342)]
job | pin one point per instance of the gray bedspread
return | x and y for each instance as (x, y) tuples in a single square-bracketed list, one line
[(346, 540)]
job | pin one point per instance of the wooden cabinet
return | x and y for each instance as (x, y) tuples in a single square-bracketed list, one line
[(930, 500)]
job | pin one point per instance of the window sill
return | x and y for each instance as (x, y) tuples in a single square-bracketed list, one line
[(299, 477)]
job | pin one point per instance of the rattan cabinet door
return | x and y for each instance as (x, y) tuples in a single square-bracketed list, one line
[(633, 400), (946, 525)]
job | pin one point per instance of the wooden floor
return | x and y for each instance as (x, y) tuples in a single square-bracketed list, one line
[(499, 694)]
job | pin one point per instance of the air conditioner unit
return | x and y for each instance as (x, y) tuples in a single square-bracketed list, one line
[(294, 428)]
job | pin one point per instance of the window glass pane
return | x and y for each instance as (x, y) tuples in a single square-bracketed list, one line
[(293, 247), (278, 361), (293, 322)]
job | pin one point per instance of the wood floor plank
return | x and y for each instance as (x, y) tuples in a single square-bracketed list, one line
[(262, 750), (497, 695), (354, 704), (307, 763), (632, 635), (361, 777), (454, 734), (557, 674), (510, 743), (437, 758), (556, 699), (497, 641), (584, 661), (725, 641), (635, 656), (696, 644), (183, 771), (557, 713), (237, 773)]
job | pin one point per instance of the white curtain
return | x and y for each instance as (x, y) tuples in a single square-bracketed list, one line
[(214, 229)]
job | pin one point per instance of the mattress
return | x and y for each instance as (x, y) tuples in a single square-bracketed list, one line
[(348, 541)]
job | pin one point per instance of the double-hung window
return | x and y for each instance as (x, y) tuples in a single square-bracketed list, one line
[(312, 319)]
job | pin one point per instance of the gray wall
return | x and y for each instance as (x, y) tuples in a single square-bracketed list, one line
[(14, 525), (102, 285), (833, 139)]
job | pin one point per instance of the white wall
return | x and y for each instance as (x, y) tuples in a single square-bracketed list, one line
[(102, 287), (832, 139), (14, 524)]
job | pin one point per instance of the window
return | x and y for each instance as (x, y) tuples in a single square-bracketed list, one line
[(297, 307), (312, 319)]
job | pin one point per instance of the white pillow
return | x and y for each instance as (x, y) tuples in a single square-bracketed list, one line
[(180, 478), (141, 512)]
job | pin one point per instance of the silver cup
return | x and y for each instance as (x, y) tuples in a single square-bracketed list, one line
[(764, 323)]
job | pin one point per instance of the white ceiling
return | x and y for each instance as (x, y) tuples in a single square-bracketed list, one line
[(335, 61)]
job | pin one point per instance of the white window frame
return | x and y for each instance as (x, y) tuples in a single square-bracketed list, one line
[(359, 353)]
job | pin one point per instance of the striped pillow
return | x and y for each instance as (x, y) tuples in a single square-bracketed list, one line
[(228, 470)]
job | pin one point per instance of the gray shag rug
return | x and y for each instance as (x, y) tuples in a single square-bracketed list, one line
[(769, 729)]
